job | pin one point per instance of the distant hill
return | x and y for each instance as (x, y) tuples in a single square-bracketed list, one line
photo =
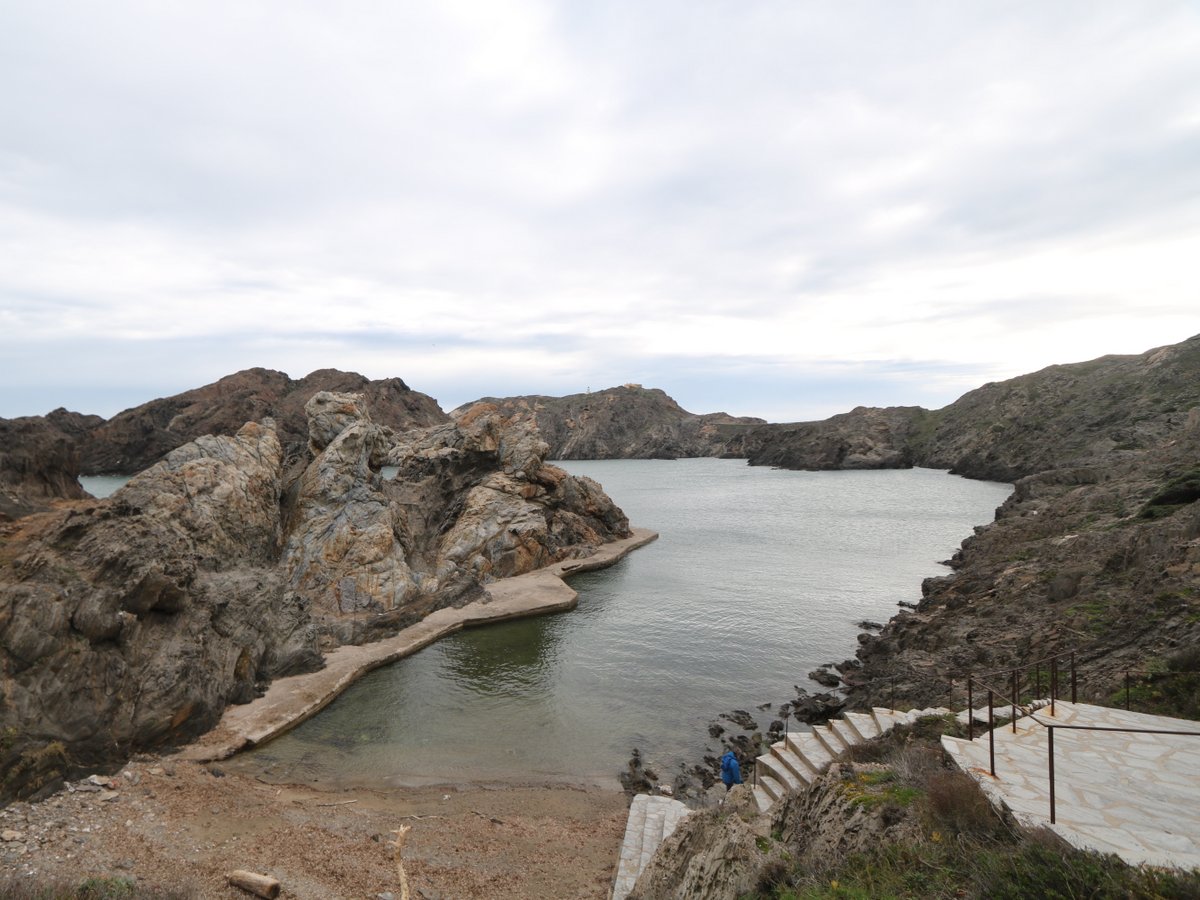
[(627, 422), (1005, 430)]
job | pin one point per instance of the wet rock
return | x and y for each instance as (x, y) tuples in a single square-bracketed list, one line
[(824, 677)]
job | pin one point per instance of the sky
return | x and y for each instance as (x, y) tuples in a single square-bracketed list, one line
[(780, 209)]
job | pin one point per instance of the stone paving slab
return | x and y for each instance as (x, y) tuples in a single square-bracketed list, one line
[(1135, 795), (289, 701)]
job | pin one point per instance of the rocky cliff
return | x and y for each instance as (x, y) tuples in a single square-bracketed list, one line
[(628, 422), (136, 438), (131, 622)]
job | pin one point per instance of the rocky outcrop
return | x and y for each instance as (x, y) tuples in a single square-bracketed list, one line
[(628, 422), (134, 439), (131, 622), (39, 461), (864, 438)]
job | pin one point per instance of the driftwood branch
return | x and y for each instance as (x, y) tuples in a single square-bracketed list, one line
[(261, 885)]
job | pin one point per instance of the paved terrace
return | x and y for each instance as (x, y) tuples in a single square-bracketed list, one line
[(289, 701), (1135, 795)]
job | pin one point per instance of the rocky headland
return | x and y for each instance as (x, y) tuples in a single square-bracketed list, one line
[(130, 623), (139, 437), (627, 422)]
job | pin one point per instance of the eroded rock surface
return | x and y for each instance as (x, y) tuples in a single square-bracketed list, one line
[(131, 622), (40, 460)]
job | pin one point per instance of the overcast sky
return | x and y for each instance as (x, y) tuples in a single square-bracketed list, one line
[(782, 209)]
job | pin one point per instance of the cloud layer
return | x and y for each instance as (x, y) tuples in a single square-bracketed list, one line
[(776, 208)]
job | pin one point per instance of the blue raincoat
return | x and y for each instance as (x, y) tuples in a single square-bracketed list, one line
[(731, 773)]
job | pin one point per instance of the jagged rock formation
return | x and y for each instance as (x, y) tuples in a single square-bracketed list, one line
[(136, 438), (131, 622), (39, 461), (628, 422)]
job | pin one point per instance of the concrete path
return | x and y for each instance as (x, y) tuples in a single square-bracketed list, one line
[(1135, 795), (289, 701), (652, 819)]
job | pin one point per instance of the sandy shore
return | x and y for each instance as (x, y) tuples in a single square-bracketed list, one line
[(178, 827), (179, 824)]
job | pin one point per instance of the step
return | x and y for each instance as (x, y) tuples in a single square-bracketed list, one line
[(809, 751), (763, 799), (826, 739), (774, 789), (844, 733), (794, 764), (773, 767), (863, 725), (651, 820)]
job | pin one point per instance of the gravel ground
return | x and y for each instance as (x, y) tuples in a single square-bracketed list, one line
[(181, 827)]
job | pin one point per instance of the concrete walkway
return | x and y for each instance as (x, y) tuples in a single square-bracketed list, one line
[(289, 701), (652, 819), (1135, 795)]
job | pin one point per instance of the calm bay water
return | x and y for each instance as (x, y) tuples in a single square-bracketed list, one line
[(758, 577)]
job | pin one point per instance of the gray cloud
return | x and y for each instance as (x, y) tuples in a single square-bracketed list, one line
[(785, 199)]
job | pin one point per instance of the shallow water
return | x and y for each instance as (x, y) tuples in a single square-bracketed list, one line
[(758, 577)]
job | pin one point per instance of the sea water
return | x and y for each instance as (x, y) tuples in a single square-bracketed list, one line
[(758, 576)]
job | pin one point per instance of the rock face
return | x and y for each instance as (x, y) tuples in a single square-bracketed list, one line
[(628, 422), (131, 622), (39, 461), (132, 440)]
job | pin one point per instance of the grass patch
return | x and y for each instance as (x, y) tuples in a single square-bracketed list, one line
[(1169, 686)]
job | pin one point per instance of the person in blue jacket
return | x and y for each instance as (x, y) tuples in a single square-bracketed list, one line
[(731, 773)]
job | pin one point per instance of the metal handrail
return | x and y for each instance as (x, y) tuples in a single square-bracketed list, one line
[(1050, 726)]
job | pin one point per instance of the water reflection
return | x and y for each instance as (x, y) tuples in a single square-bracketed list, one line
[(514, 660)]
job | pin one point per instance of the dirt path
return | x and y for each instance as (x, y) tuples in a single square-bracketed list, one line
[(178, 826)]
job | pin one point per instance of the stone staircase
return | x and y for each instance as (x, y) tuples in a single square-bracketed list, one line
[(652, 819), (1133, 794), (794, 762)]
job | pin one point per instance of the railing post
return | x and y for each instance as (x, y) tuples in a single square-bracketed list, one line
[(950, 701), (970, 709), (1073, 676), (991, 736), (1050, 756), (1038, 674), (1014, 701), (893, 692), (786, 716), (1053, 683), (1126, 689)]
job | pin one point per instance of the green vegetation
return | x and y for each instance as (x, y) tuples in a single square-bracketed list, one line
[(1166, 687), (1173, 496), (964, 848)]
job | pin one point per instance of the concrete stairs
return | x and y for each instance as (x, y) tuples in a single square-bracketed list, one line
[(1136, 795), (652, 819), (793, 763)]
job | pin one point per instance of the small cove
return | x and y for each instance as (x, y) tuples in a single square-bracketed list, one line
[(758, 577)]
